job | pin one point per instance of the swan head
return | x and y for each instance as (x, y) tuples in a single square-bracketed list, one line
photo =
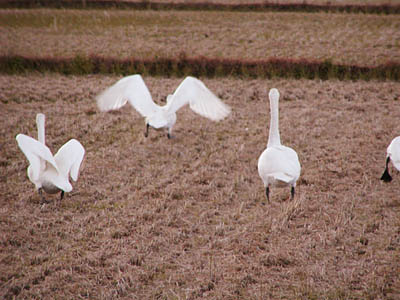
[(40, 118), (273, 94)]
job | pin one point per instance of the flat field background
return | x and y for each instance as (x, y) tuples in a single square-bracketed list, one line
[(366, 40), (187, 218)]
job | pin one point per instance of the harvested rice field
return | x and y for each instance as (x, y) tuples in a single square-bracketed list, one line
[(361, 39), (187, 218)]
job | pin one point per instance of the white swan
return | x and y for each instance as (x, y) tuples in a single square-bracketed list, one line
[(278, 163), (191, 91), (393, 155), (49, 173)]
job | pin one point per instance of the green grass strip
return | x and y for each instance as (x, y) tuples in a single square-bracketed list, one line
[(256, 7), (199, 67)]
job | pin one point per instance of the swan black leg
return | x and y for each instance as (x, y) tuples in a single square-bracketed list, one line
[(42, 200), (292, 193), (386, 176), (146, 133), (62, 195), (169, 135), (267, 192)]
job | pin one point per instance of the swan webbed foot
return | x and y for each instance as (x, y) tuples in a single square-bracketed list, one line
[(386, 176), (267, 192), (292, 193), (146, 133), (61, 195)]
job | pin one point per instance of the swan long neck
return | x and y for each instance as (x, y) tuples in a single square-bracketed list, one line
[(40, 118), (274, 138)]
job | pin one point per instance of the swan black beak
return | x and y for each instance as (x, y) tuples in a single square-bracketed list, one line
[(386, 176)]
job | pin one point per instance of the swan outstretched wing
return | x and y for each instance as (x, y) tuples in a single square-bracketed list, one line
[(200, 99), (131, 88), (69, 158), (34, 152)]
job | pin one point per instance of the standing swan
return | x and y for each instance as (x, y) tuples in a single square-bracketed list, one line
[(392, 154), (49, 173), (191, 91), (278, 163)]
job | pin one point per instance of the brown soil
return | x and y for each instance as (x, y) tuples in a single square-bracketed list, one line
[(187, 218)]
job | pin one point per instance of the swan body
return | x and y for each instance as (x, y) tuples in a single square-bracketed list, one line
[(191, 91), (278, 164), (47, 172), (392, 155)]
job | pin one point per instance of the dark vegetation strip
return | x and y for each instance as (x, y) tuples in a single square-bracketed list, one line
[(199, 66), (253, 7)]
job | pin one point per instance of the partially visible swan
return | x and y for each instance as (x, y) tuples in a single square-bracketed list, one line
[(278, 163), (49, 173), (191, 91), (393, 155)]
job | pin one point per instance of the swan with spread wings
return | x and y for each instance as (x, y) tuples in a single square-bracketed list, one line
[(47, 172), (191, 91)]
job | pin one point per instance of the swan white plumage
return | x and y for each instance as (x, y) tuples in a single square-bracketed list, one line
[(51, 173), (278, 163), (392, 155), (191, 91)]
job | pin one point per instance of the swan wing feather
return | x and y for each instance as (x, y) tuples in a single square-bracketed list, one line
[(35, 151), (131, 88), (59, 180), (69, 158), (280, 162), (192, 91), (281, 177)]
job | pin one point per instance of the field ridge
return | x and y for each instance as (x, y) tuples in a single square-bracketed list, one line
[(199, 66), (260, 7)]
